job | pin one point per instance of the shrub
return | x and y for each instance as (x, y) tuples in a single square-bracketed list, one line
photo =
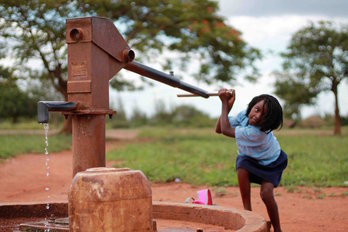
[(313, 121)]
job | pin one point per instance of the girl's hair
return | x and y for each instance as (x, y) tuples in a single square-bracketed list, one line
[(272, 118)]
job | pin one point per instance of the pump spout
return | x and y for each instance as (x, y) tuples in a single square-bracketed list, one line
[(43, 107)]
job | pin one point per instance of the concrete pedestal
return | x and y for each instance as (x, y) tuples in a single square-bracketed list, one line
[(109, 199)]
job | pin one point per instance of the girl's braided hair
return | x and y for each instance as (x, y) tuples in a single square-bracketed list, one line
[(272, 117)]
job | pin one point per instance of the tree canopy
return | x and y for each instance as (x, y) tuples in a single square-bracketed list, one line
[(316, 60), (35, 29)]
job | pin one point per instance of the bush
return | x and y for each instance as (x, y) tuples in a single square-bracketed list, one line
[(186, 115), (313, 121), (181, 116), (289, 123), (344, 120), (14, 103)]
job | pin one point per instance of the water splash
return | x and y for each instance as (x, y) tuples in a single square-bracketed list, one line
[(47, 164)]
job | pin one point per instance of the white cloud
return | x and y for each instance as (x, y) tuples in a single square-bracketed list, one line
[(258, 8), (273, 32)]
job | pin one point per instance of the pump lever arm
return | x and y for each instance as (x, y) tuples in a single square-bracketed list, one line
[(195, 95), (164, 78)]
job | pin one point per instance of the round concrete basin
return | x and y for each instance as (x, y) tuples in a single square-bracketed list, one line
[(31, 214)]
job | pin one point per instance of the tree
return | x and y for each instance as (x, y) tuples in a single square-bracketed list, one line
[(294, 93), (316, 60), (35, 29), (14, 102)]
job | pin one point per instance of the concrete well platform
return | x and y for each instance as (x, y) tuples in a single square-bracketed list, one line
[(215, 217)]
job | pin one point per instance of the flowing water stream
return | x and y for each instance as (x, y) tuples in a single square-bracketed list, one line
[(47, 164)]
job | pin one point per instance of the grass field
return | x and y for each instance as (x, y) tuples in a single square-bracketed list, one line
[(12, 145), (199, 156)]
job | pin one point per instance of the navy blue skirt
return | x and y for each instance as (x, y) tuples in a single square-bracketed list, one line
[(258, 173)]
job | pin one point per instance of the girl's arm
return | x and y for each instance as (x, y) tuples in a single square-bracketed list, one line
[(230, 105), (218, 127), (223, 125), (218, 123)]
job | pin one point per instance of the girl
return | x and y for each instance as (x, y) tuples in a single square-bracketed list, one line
[(260, 158)]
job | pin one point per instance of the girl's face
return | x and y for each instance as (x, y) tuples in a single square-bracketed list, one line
[(255, 115)]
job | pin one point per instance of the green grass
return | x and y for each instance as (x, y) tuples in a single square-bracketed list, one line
[(22, 125), (31, 124), (12, 145), (315, 160), (199, 156), (185, 154)]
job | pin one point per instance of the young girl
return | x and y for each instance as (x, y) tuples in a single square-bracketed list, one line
[(260, 158)]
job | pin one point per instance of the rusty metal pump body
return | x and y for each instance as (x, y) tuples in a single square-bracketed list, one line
[(96, 52)]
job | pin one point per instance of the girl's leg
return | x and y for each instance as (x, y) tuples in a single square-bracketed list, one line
[(244, 187), (271, 205)]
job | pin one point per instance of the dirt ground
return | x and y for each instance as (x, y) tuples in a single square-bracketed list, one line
[(23, 179)]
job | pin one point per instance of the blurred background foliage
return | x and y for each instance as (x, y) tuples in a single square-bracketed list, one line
[(32, 40)]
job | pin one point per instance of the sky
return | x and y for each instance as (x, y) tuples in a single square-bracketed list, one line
[(267, 25)]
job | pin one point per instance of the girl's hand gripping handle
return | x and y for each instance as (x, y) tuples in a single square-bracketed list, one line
[(227, 95)]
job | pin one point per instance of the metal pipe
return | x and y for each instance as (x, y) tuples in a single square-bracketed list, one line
[(195, 95), (88, 141), (164, 78), (230, 91)]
